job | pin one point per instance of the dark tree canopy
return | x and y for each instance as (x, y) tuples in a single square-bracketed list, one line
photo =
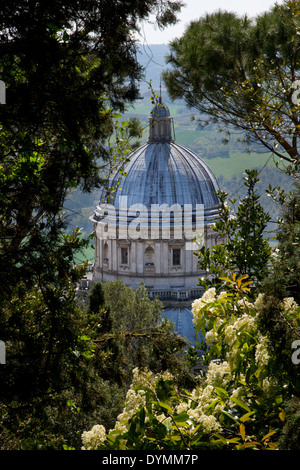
[(241, 73), (68, 66)]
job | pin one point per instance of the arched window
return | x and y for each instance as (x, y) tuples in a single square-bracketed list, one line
[(149, 256)]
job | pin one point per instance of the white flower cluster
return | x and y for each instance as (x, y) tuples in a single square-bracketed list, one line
[(261, 352), (208, 423), (234, 327), (241, 326), (198, 304), (134, 399), (210, 337), (93, 438), (258, 304), (218, 374), (204, 396), (289, 305), (245, 304), (137, 397)]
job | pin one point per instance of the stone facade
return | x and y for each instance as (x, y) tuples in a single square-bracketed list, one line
[(165, 266)]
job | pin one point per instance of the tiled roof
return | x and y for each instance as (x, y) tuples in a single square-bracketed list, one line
[(166, 173)]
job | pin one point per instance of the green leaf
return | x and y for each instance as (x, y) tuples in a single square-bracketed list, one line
[(181, 417), (227, 279), (222, 393), (164, 406), (248, 445), (220, 438), (246, 417), (212, 405), (279, 400), (225, 440), (241, 404), (268, 435), (142, 417), (246, 284), (230, 416)]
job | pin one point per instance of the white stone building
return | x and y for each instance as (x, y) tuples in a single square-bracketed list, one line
[(145, 232)]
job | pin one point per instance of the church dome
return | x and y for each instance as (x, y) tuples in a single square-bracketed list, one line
[(182, 319), (161, 171), (161, 208), (166, 173), (137, 242)]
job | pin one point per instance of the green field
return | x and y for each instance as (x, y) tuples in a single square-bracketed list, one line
[(237, 163)]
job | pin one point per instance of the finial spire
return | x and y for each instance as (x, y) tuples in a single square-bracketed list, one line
[(160, 122)]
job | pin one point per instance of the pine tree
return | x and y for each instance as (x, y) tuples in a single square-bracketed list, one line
[(241, 73)]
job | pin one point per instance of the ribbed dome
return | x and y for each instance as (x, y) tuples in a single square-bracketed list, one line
[(162, 171), (139, 240), (167, 173)]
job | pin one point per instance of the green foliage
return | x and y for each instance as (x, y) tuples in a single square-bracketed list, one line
[(284, 278), (131, 308), (96, 298), (290, 438), (245, 250), (238, 404), (210, 146), (129, 332), (240, 73), (68, 368)]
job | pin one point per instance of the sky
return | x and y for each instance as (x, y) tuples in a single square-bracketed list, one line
[(194, 9)]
